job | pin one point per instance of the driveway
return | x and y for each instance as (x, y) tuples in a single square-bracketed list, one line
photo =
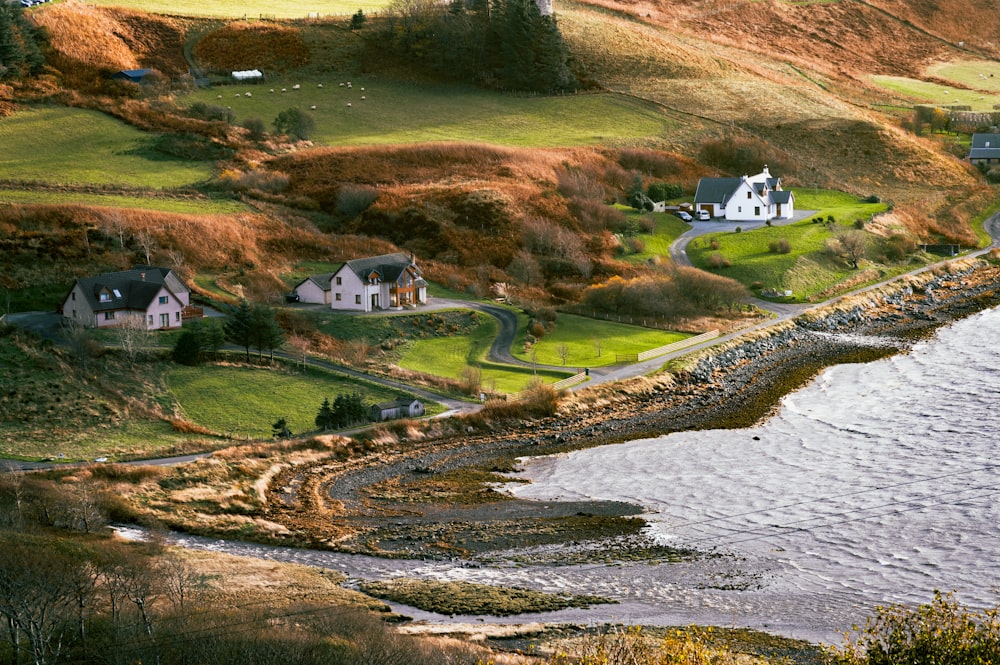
[(678, 249)]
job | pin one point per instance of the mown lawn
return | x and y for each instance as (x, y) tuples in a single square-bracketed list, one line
[(182, 206), (451, 356), (667, 229), (78, 146), (246, 401), (807, 269), (592, 342), (396, 112)]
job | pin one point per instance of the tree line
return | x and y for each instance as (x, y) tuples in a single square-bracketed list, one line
[(506, 44)]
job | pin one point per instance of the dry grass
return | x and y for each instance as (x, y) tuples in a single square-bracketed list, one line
[(238, 46)]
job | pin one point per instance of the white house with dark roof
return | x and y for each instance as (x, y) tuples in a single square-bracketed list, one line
[(390, 281), (985, 149), (157, 294), (755, 198)]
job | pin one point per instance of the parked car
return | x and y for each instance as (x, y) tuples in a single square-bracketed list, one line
[(683, 215), (704, 216)]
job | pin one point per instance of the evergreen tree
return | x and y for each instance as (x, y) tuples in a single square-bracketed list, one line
[(211, 335), (280, 429), (20, 51), (326, 418), (187, 351), (267, 334), (239, 327)]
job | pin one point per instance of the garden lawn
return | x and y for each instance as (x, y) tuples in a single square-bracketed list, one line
[(807, 269), (668, 229), (396, 112), (451, 356), (178, 205), (246, 401), (77, 146), (581, 337)]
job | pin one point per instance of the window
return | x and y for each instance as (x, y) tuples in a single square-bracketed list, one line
[(73, 296), (749, 195), (163, 300), (756, 211), (105, 296), (164, 320), (118, 294), (177, 316), (338, 297), (340, 280), (150, 319), (109, 316), (357, 300)]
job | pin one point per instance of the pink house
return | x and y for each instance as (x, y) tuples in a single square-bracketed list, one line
[(156, 294)]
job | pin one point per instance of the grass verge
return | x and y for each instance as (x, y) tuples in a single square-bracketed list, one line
[(591, 342), (178, 205)]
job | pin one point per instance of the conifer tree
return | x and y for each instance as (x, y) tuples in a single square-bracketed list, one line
[(20, 54)]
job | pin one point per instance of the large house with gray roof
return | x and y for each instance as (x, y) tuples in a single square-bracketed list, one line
[(755, 198), (389, 281), (156, 294)]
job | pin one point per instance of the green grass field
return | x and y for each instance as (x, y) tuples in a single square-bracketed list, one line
[(450, 356), (806, 269), (395, 112), (244, 402), (182, 206), (582, 337), (977, 74), (935, 93), (77, 146), (251, 10), (668, 229)]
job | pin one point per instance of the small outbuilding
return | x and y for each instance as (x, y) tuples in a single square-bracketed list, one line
[(404, 407), (133, 75)]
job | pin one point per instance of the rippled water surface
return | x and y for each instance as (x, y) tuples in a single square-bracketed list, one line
[(876, 483)]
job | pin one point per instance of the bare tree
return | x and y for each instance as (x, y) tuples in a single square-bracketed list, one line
[(597, 346), (147, 243), (133, 336), (80, 340), (563, 352), (851, 246), (472, 379)]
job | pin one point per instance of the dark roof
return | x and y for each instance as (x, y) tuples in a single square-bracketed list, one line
[(132, 74), (130, 289), (397, 403), (716, 190), (985, 141), (321, 280), (781, 196), (388, 266), (985, 153)]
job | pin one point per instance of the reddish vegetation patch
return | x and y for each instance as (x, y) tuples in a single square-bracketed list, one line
[(241, 46)]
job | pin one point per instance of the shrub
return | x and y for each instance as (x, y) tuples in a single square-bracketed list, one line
[(654, 163), (714, 244), (205, 111), (873, 199), (859, 223), (941, 631), (256, 128), (717, 261), (295, 123), (661, 191), (779, 246), (352, 199), (899, 246), (738, 229)]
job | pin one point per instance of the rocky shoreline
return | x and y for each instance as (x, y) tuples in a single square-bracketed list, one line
[(432, 497)]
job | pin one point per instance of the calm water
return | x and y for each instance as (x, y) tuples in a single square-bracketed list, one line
[(876, 483)]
